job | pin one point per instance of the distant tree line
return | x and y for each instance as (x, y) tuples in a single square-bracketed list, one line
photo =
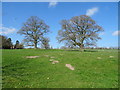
[(67, 47), (6, 43)]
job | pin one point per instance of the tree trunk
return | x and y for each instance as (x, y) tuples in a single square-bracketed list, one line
[(82, 47), (35, 43)]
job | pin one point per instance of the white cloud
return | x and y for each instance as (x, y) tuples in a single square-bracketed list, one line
[(92, 11), (116, 33), (53, 3), (6, 30)]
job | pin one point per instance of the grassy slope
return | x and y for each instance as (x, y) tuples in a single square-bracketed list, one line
[(20, 72)]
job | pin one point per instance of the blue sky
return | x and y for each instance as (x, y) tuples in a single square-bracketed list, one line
[(105, 14)]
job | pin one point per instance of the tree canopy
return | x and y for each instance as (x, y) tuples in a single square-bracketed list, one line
[(18, 45), (79, 31), (45, 43), (5, 43), (33, 30)]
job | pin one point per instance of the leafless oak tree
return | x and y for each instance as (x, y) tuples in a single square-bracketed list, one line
[(33, 30), (79, 31), (45, 43)]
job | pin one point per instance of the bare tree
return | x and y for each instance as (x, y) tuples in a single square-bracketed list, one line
[(33, 29), (79, 31), (45, 43)]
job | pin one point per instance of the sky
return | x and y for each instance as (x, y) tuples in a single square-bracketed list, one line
[(14, 14)]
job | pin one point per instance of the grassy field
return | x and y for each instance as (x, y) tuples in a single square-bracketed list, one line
[(93, 69)]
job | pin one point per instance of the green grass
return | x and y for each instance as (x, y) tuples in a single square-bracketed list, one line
[(90, 72)]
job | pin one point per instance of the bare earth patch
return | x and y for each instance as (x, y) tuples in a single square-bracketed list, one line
[(46, 55), (99, 58), (52, 57), (51, 60), (111, 56), (55, 62), (32, 56), (70, 66)]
